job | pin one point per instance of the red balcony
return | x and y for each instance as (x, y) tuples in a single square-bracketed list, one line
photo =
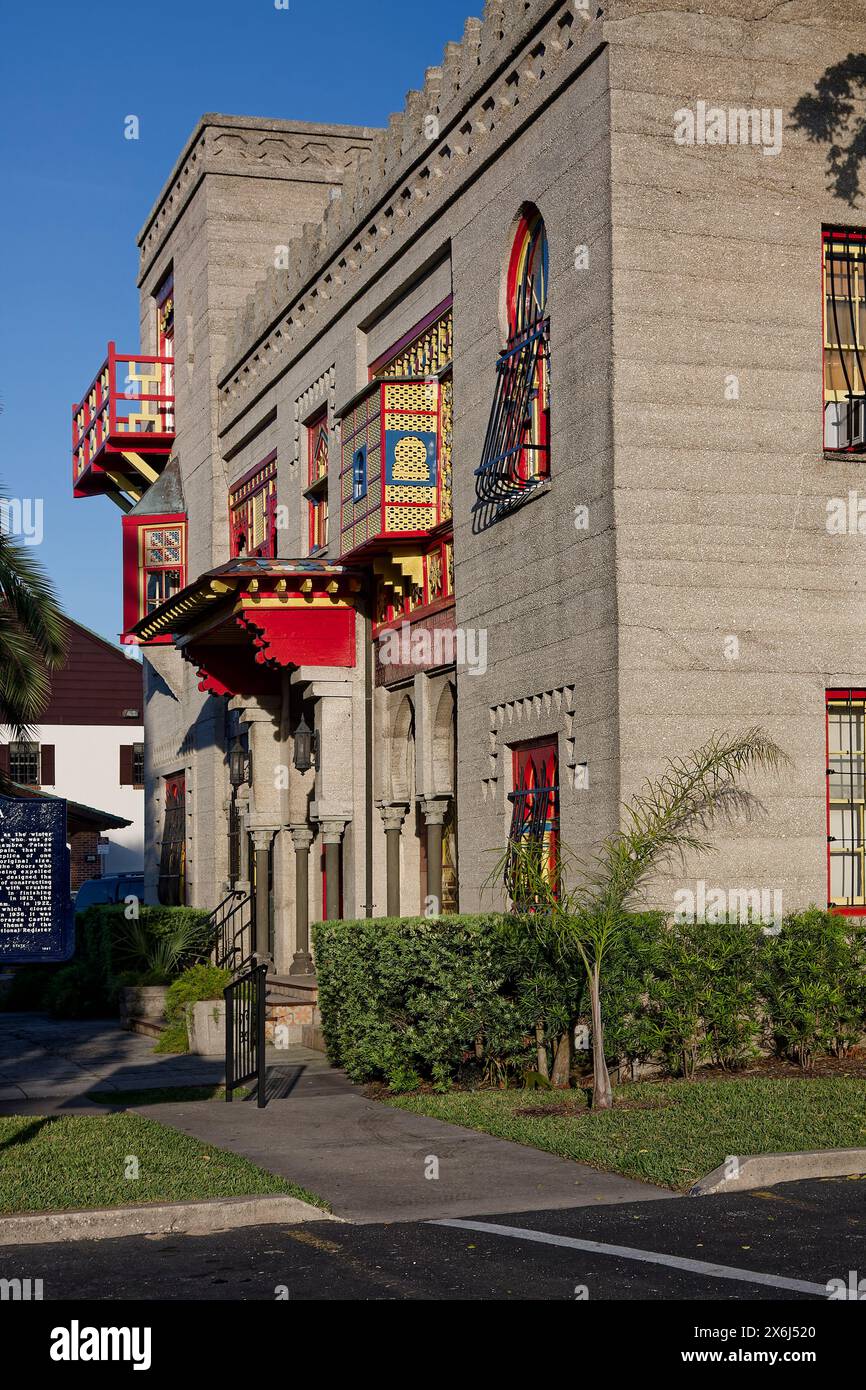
[(123, 429)]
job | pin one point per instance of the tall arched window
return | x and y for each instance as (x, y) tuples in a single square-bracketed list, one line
[(516, 447)]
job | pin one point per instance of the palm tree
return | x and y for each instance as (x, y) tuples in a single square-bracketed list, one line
[(31, 637), (672, 816)]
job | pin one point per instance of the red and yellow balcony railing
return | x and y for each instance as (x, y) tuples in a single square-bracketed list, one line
[(123, 428)]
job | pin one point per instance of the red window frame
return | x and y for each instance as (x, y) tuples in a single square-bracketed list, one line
[(535, 764), (317, 481), (530, 227), (135, 571), (844, 695), (242, 495), (854, 238)]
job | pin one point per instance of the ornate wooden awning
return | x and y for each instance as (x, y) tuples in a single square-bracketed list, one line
[(245, 621)]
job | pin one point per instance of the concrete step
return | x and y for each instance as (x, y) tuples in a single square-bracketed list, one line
[(313, 1037), (285, 990), (147, 1027)]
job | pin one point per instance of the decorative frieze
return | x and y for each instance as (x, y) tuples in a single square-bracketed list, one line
[(526, 718), (321, 392)]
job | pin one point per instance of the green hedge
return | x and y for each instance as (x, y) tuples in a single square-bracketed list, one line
[(87, 987), (406, 1000)]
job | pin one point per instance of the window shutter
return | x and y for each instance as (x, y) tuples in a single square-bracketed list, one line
[(46, 769), (4, 758), (126, 764)]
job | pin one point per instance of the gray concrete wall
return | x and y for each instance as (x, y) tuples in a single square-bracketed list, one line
[(720, 512), (239, 193)]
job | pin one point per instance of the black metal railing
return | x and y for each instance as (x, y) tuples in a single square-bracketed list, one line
[(231, 932), (245, 1032)]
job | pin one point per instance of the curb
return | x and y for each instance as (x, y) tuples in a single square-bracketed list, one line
[(738, 1174), (159, 1218)]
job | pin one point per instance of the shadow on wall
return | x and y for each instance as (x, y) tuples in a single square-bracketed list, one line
[(826, 117)]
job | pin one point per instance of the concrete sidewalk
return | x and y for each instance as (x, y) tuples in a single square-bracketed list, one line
[(47, 1066), (371, 1161)]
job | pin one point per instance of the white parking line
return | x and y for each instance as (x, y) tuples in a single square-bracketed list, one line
[(626, 1252)]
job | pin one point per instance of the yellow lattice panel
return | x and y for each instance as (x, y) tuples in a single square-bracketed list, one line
[(397, 494), (407, 518), (410, 460), (410, 396)]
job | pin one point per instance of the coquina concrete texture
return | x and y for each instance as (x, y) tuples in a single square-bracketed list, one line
[(702, 594)]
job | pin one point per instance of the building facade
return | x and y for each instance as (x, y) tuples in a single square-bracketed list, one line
[(476, 466), (89, 749)]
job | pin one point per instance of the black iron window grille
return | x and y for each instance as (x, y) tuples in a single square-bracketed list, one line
[(138, 764), (24, 764), (515, 455), (844, 339), (532, 842), (846, 799)]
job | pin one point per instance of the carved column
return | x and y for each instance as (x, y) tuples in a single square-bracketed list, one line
[(302, 963), (434, 818), (332, 835), (262, 840), (262, 719), (393, 818)]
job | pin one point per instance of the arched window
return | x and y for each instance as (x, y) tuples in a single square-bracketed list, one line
[(516, 447)]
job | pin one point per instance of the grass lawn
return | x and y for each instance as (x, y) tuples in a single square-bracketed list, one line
[(678, 1131), (73, 1161)]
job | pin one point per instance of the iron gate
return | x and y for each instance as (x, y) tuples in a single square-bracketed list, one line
[(245, 1031)]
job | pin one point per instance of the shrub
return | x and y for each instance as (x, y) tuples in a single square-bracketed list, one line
[(437, 999), (420, 998), (28, 988), (76, 991), (629, 1033), (704, 1000), (814, 981), (197, 983)]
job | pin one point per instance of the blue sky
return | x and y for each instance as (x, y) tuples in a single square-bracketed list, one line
[(76, 193)]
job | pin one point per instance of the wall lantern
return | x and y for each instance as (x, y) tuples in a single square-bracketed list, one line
[(240, 765), (306, 747)]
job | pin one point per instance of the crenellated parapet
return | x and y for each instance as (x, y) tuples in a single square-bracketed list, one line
[(473, 99), (238, 146)]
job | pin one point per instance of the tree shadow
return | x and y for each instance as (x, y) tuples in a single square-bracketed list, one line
[(826, 117)]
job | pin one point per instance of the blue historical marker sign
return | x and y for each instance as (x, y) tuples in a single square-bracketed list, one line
[(36, 913)]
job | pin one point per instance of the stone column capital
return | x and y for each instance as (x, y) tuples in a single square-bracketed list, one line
[(263, 835), (393, 814), (264, 711), (302, 836), (435, 810), (332, 831)]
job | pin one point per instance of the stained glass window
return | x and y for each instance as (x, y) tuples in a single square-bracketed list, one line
[(318, 442), (253, 512), (162, 566)]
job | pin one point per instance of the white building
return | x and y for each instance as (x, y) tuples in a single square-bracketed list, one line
[(89, 749)]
